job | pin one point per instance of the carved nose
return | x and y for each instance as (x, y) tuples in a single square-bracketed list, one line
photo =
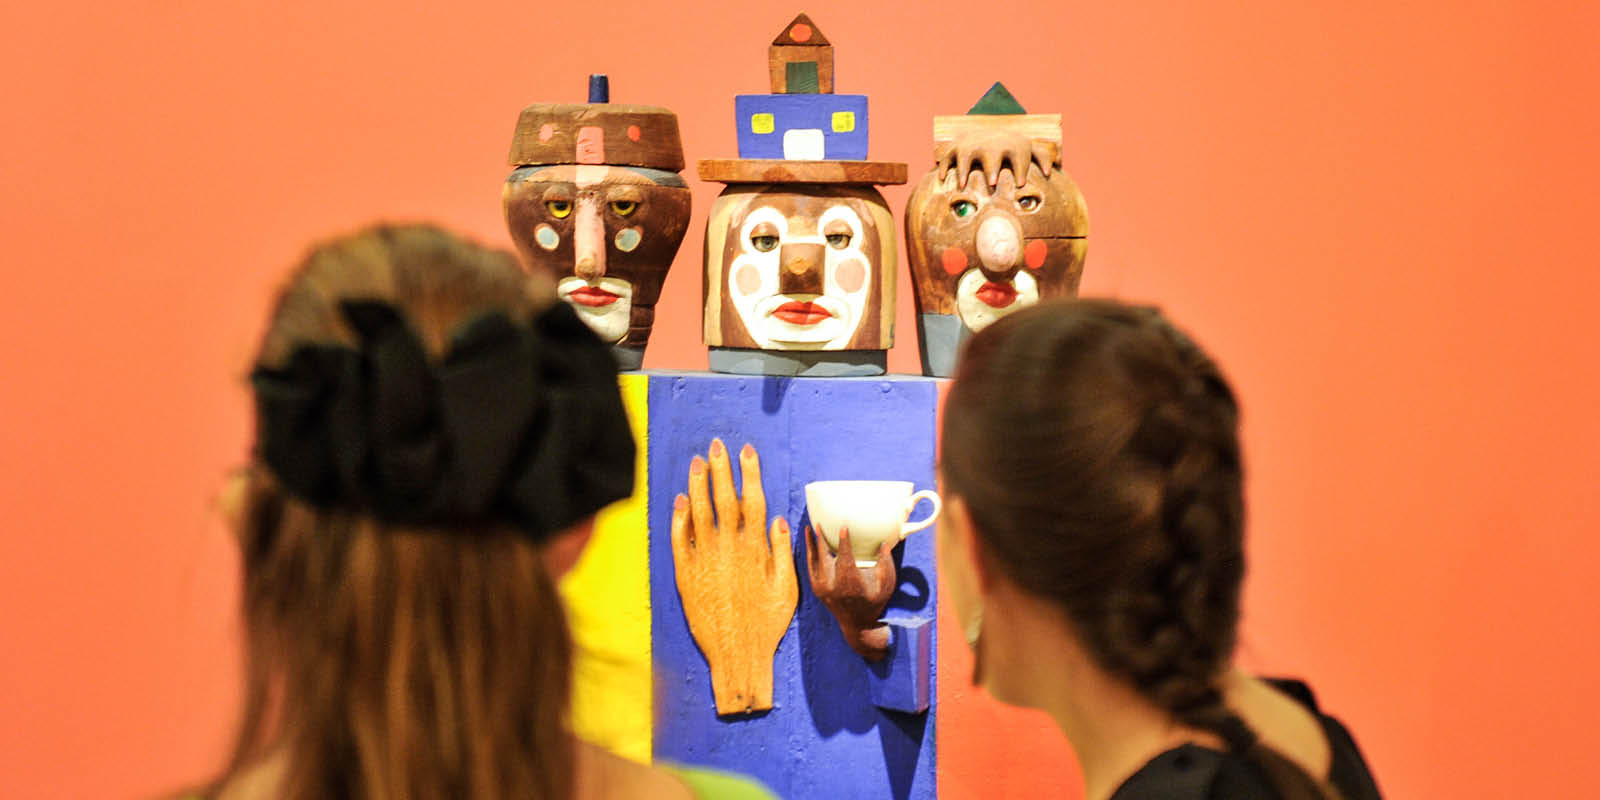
[(800, 268), (589, 241), (1000, 243)]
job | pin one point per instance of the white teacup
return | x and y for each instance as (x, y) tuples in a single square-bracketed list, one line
[(873, 512)]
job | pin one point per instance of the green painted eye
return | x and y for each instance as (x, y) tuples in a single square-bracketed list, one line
[(963, 208), (1028, 203), (765, 244), (623, 207), (559, 208), (838, 241)]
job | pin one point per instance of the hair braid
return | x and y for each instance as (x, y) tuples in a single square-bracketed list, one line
[(1172, 627), (1133, 467)]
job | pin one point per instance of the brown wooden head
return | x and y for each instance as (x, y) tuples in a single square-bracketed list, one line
[(596, 204), (800, 267), (996, 225)]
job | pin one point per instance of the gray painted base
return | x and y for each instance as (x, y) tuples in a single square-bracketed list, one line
[(805, 363), (628, 358), (941, 337)]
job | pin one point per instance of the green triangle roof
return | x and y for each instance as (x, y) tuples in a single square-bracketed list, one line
[(997, 101)]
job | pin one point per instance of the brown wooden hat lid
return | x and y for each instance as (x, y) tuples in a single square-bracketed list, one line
[(782, 170), (597, 133)]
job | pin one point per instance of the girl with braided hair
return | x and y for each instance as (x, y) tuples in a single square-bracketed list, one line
[(434, 435), (1093, 494)]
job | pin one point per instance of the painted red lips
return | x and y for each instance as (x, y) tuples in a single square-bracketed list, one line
[(593, 296), (997, 295), (798, 313)]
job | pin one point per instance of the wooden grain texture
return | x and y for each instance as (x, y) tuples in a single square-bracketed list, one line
[(655, 224), (1044, 127), (779, 57), (626, 135), (802, 206), (942, 246), (764, 170), (856, 596), (735, 576)]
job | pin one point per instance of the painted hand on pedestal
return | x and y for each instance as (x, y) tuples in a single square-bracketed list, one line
[(736, 580), (857, 598)]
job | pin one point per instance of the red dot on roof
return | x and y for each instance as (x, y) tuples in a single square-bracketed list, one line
[(800, 33)]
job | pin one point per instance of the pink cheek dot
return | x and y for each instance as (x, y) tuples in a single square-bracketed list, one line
[(851, 275), (1033, 254), (954, 261), (546, 131), (633, 133), (748, 280)]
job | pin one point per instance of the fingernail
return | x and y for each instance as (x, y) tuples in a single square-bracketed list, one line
[(680, 503), (697, 466), (716, 447), (747, 452)]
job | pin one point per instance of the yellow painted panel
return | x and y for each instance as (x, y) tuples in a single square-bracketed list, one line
[(844, 121), (761, 123), (607, 595)]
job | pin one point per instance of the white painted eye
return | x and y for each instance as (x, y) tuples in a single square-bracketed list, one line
[(842, 227), (763, 230)]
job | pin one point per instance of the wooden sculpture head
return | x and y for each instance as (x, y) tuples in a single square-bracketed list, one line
[(596, 204), (800, 267), (981, 249), (605, 234)]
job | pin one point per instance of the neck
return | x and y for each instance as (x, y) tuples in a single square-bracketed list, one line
[(1113, 729)]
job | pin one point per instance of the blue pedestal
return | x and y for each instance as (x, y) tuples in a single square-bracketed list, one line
[(826, 736)]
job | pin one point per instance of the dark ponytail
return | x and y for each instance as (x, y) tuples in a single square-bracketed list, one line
[(1097, 448)]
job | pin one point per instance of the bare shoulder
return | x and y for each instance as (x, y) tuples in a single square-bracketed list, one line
[(1282, 723), (602, 775)]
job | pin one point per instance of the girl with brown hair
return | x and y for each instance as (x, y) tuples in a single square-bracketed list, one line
[(433, 438), (1093, 505)]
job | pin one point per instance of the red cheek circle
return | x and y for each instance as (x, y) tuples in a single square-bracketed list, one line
[(1033, 254), (954, 261), (747, 279), (851, 275), (633, 132), (546, 131)]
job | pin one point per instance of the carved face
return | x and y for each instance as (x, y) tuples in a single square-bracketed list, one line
[(800, 267), (605, 234), (983, 252)]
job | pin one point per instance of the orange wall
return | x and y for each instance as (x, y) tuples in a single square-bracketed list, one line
[(1379, 217)]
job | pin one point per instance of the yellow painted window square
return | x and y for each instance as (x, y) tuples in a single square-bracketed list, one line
[(762, 123), (844, 121)]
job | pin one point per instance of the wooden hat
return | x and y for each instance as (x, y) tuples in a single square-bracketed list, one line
[(597, 132)]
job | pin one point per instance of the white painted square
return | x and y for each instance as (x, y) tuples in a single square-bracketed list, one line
[(803, 144)]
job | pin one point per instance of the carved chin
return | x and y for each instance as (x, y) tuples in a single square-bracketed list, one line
[(604, 305), (979, 301)]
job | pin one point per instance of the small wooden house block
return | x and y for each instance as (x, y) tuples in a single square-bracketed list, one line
[(809, 127), (800, 60)]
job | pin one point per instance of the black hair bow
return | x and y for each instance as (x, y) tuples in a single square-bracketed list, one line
[(519, 424)]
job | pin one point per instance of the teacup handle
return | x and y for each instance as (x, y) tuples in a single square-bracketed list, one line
[(911, 503)]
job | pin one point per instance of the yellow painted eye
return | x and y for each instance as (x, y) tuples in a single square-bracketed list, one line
[(838, 241), (765, 244), (559, 208), (963, 208), (623, 207), (1028, 203)]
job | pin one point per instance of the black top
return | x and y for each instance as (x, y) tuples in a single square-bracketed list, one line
[(1192, 772)]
